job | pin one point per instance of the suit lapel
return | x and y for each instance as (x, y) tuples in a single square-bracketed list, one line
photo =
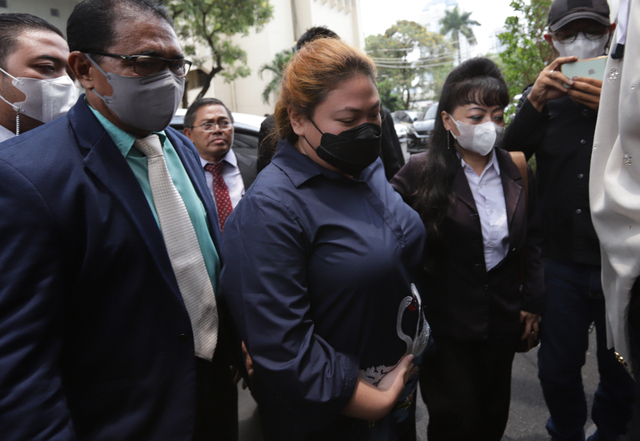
[(463, 191), (107, 164), (511, 185), (248, 170)]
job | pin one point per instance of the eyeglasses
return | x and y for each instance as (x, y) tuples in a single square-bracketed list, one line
[(570, 35), (148, 64), (224, 125)]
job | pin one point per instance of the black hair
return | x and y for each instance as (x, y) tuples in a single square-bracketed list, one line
[(314, 33), (190, 116), (91, 25), (477, 80), (12, 25)]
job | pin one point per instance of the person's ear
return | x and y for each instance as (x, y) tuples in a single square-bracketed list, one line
[(297, 122), (446, 120), (80, 65), (549, 39), (187, 132)]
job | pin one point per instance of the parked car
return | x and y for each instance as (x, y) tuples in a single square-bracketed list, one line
[(407, 116), (424, 127), (246, 127), (406, 135)]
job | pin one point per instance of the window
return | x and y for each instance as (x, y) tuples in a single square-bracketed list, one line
[(55, 12), (3, 3)]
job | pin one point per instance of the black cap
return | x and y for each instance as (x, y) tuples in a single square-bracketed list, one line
[(564, 11)]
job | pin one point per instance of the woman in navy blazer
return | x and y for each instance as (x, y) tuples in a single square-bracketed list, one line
[(473, 204)]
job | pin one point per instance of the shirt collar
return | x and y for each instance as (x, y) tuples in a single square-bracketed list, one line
[(298, 167), (5, 133), (493, 162), (230, 158), (123, 140)]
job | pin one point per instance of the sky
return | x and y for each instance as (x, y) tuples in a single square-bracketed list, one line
[(379, 15)]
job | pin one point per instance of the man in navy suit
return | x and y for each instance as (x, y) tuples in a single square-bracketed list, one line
[(96, 340)]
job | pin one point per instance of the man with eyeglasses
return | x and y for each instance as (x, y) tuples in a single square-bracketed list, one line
[(556, 120), (111, 319), (209, 125)]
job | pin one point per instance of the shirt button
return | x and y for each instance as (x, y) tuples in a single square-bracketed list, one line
[(580, 176), (578, 211), (583, 141)]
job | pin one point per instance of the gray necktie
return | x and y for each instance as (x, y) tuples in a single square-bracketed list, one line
[(183, 248)]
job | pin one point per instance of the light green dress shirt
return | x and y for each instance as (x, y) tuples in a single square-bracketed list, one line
[(138, 163)]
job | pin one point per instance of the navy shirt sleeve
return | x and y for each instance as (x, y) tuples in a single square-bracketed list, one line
[(265, 282)]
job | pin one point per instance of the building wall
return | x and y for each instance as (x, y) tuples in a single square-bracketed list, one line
[(43, 9), (291, 19)]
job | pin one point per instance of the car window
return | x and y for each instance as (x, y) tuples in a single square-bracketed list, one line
[(431, 112)]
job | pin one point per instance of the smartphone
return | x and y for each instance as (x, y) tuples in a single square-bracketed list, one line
[(590, 68)]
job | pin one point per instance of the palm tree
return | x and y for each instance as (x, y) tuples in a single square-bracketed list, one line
[(276, 67), (457, 23)]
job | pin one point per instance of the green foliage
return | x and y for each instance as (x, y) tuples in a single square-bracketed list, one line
[(212, 23), (526, 52), (455, 23), (408, 58), (276, 67), (387, 97)]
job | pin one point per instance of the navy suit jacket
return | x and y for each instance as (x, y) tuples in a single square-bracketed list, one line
[(95, 340)]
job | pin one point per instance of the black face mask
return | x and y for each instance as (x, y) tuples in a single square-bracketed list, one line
[(352, 150)]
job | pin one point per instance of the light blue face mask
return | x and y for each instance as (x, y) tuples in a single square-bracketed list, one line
[(145, 103)]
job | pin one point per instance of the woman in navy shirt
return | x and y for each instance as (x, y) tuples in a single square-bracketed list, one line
[(320, 256)]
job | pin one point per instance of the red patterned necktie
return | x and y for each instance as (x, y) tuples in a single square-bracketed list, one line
[(220, 191)]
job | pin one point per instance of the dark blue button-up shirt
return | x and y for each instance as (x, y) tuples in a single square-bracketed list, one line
[(316, 268)]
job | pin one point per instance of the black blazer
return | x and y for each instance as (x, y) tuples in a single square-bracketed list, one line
[(464, 300), (248, 166)]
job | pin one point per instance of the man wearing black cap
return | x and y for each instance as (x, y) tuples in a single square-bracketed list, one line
[(556, 120)]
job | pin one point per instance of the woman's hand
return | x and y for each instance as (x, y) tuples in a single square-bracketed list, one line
[(248, 365), (532, 327), (372, 403)]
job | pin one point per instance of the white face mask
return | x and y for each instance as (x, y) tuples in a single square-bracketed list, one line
[(45, 99), (582, 47), (479, 138)]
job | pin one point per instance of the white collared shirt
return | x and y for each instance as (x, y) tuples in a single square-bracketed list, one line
[(488, 195), (231, 175), (5, 134)]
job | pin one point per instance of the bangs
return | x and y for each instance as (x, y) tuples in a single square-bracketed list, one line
[(483, 90)]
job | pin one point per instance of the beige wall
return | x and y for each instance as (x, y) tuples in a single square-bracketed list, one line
[(42, 9), (291, 19)]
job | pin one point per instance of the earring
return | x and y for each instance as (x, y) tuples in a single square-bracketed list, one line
[(17, 123), (448, 140)]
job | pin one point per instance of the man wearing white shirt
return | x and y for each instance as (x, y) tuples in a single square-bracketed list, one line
[(209, 125)]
